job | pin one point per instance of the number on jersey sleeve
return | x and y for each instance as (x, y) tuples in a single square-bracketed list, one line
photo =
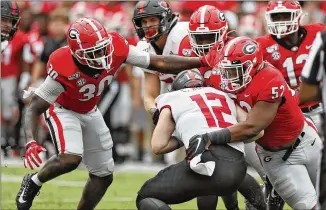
[(218, 120)]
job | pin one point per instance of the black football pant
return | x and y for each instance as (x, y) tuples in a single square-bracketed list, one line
[(178, 183)]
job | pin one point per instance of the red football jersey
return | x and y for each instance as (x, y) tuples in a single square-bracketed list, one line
[(82, 92), (269, 85), (11, 56), (289, 62)]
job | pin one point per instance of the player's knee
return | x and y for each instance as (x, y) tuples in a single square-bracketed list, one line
[(70, 162), (150, 204), (106, 181)]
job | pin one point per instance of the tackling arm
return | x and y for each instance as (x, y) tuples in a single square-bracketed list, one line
[(162, 142), (241, 117), (166, 64), (259, 117)]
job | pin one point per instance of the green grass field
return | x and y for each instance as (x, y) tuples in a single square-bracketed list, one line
[(65, 191)]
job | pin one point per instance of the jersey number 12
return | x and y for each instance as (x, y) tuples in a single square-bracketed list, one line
[(218, 121)]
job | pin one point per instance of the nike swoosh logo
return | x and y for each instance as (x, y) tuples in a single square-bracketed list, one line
[(312, 144), (21, 200), (246, 95), (308, 47)]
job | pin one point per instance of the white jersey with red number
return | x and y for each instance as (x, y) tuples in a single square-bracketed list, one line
[(171, 47), (77, 91), (199, 110)]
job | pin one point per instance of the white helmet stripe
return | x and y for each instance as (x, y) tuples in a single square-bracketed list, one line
[(229, 44), (202, 16), (94, 27)]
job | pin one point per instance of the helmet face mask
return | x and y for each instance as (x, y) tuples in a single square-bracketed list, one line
[(99, 56), (236, 76), (203, 42), (283, 18)]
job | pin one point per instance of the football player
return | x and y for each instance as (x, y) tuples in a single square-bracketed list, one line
[(9, 22), (12, 44), (208, 27), (77, 75), (160, 33), (288, 44), (200, 173), (288, 148)]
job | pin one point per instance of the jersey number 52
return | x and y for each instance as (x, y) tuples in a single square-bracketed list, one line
[(219, 120)]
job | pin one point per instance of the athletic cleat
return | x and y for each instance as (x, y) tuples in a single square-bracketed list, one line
[(27, 193)]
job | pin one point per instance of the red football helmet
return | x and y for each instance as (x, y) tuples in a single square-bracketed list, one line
[(207, 26), (90, 43), (283, 17), (239, 60)]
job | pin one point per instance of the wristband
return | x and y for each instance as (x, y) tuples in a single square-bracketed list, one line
[(219, 137)]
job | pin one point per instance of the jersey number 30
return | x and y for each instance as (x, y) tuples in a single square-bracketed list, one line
[(90, 89), (217, 110)]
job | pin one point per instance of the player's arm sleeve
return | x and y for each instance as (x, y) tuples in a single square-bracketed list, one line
[(314, 69), (137, 57), (49, 90)]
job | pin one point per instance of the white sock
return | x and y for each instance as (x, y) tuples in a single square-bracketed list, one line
[(36, 180)]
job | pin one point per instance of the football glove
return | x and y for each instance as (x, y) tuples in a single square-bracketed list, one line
[(32, 154), (197, 146)]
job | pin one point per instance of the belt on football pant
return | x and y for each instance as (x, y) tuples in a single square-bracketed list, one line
[(293, 147), (289, 148), (310, 108)]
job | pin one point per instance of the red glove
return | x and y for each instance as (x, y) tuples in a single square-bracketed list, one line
[(211, 59), (32, 154)]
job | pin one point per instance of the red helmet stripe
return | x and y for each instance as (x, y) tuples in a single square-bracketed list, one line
[(13, 8), (97, 31), (191, 75), (229, 45), (141, 7), (202, 16)]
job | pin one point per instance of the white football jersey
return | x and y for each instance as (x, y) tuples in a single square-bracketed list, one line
[(199, 110), (171, 47)]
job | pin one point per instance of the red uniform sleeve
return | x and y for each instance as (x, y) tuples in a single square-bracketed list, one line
[(273, 91), (53, 70), (120, 45)]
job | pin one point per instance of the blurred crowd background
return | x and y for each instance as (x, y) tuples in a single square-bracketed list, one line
[(42, 30)]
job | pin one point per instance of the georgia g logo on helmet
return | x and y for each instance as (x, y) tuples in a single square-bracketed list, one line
[(249, 49), (73, 34)]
